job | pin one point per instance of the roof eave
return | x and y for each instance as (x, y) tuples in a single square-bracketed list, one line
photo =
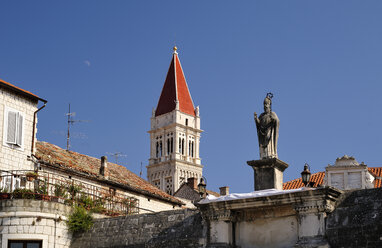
[(21, 92), (112, 183)]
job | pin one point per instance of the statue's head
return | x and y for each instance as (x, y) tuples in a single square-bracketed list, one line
[(268, 103)]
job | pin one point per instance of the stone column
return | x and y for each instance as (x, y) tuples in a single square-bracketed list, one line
[(268, 173), (311, 223)]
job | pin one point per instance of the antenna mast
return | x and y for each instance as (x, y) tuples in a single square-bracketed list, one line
[(71, 122), (116, 155)]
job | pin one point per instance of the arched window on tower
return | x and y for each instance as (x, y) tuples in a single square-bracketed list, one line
[(157, 149), (160, 148), (189, 148), (183, 146), (192, 149), (172, 145), (168, 147), (180, 145)]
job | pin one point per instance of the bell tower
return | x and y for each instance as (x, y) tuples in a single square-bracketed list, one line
[(175, 134)]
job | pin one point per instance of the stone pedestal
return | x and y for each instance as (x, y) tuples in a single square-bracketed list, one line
[(268, 173)]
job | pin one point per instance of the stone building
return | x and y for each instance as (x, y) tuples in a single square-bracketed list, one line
[(345, 174), (18, 118), (40, 181), (175, 134)]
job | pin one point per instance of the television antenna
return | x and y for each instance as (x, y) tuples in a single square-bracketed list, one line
[(116, 155), (71, 121)]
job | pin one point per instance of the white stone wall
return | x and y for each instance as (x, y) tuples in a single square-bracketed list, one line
[(179, 167), (276, 232), (35, 220), (15, 158), (147, 204), (348, 174)]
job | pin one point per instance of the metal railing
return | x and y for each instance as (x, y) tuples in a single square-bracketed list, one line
[(46, 186)]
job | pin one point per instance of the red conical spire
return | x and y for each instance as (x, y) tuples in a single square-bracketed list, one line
[(174, 90)]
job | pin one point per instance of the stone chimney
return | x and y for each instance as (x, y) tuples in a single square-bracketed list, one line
[(224, 190), (193, 182), (103, 169)]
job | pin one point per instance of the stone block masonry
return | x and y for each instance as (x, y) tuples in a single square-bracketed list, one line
[(34, 220), (177, 228), (357, 220)]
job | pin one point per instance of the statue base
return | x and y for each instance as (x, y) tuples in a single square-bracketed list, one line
[(268, 173)]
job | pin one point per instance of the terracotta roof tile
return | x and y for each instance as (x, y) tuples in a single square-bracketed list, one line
[(318, 179), (53, 155), (175, 89), (377, 173), (25, 92)]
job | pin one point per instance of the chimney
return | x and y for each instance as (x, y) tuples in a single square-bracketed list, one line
[(103, 169), (193, 183), (224, 190)]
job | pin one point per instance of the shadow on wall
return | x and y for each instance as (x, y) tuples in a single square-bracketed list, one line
[(178, 228), (357, 220)]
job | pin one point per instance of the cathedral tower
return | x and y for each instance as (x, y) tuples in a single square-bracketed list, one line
[(175, 134)]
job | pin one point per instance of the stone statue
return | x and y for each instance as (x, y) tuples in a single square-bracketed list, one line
[(267, 129)]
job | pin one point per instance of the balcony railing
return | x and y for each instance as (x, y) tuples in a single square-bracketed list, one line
[(47, 186)]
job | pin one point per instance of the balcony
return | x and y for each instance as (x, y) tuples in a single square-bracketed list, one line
[(53, 187)]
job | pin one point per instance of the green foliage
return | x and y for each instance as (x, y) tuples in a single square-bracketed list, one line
[(79, 220), (86, 202), (23, 194), (42, 188), (73, 189), (32, 174), (60, 190), (4, 190), (98, 206)]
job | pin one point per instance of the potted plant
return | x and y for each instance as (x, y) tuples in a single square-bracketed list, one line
[(31, 176), (20, 193), (4, 193), (59, 193), (42, 191), (73, 189)]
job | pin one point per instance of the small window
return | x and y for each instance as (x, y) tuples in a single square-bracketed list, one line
[(186, 122), (24, 243), (13, 128)]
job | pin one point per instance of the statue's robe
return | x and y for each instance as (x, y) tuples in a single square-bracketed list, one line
[(267, 133)]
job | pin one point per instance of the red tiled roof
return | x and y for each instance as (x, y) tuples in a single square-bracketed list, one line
[(24, 92), (175, 89), (318, 179), (53, 155), (377, 173)]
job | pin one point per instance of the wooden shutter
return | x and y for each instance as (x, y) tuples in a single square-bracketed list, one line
[(19, 136), (11, 127)]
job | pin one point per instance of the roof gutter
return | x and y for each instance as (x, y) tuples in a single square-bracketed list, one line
[(34, 122)]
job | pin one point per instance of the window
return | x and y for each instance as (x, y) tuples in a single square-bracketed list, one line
[(168, 147), (169, 185), (24, 243), (157, 183), (186, 122), (13, 128)]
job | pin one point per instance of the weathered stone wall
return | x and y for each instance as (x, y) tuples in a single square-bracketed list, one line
[(178, 228), (34, 220), (357, 221)]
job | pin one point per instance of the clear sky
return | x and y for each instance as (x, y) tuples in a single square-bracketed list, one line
[(321, 59)]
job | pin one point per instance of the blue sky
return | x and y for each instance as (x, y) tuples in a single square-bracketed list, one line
[(321, 59)]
